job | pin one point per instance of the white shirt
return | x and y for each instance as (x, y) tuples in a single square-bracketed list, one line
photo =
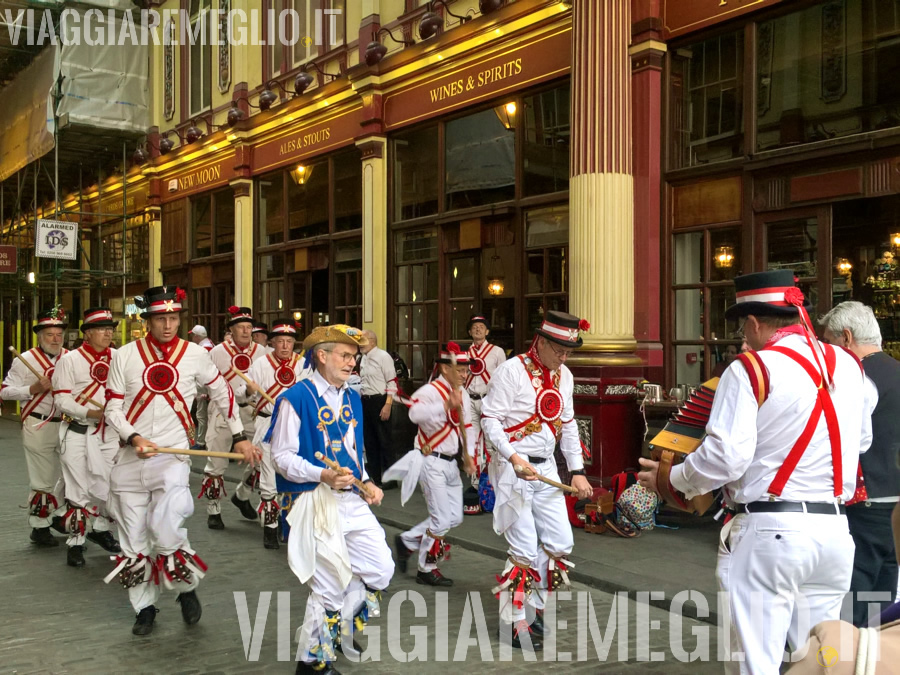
[(511, 400), (71, 377), (224, 361), (286, 436), (745, 445), (207, 344), (493, 356), (19, 379), (378, 373), (263, 373), (158, 422), (428, 412)]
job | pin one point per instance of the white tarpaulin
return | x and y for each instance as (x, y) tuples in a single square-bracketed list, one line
[(26, 115)]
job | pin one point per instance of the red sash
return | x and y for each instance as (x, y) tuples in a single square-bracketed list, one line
[(241, 359), (548, 405), (477, 364), (99, 374), (428, 443), (161, 379), (281, 369), (47, 369)]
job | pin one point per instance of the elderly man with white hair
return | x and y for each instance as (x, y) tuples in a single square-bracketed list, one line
[(853, 326)]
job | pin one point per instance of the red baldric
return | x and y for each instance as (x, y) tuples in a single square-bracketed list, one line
[(241, 359), (431, 442), (47, 369), (278, 387), (477, 358), (161, 379)]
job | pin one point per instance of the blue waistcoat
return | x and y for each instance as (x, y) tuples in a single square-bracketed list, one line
[(306, 402)]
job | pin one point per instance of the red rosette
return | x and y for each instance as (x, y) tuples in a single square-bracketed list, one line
[(584, 325), (242, 362), (285, 377), (180, 294), (454, 416), (477, 366), (794, 296), (549, 405), (160, 377), (100, 371), (234, 309)]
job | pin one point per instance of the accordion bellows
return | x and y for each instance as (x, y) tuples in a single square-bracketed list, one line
[(682, 435)]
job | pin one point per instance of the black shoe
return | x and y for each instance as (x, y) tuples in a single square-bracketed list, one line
[(75, 556), (433, 578), (214, 522), (317, 668), (270, 537), (42, 537), (389, 485), (537, 626), (143, 625), (59, 524), (190, 607), (403, 553), (510, 635), (245, 508), (105, 540)]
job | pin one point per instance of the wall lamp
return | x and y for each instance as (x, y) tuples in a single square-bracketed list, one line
[(488, 6), (375, 50), (432, 23)]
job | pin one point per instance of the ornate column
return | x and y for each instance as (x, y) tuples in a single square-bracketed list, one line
[(154, 228), (601, 201), (375, 234), (243, 242)]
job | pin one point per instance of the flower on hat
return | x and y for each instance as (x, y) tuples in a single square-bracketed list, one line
[(58, 313), (584, 325), (180, 294), (794, 296), (454, 348), (234, 309)]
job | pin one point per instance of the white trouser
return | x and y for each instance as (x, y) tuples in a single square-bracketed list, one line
[(443, 494), (370, 563), (42, 459), (542, 529), (150, 499), (782, 574), (86, 463), (218, 439)]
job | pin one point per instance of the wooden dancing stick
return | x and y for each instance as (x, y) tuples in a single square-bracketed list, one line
[(39, 376), (548, 481), (253, 384), (195, 453), (344, 471)]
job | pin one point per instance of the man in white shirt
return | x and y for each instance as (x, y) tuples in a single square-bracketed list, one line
[(88, 448), (261, 336), (40, 421), (335, 544), (484, 358), (436, 410), (528, 410), (229, 357), (198, 335), (152, 383), (379, 386), (784, 436)]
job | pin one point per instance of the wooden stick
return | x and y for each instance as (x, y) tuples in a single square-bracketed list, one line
[(195, 453), (39, 376), (344, 471), (253, 384), (549, 481)]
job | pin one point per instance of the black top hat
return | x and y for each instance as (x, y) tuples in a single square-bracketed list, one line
[(51, 318), (98, 317), (161, 300), (764, 294), (260, 327), (239, 314), (477, 318), (563, 328), (451, 352), (286, 327)]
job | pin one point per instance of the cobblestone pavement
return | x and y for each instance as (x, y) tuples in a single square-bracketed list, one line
[(56, 619)]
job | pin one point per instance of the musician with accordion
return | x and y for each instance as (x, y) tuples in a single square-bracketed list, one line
[(784, 437)]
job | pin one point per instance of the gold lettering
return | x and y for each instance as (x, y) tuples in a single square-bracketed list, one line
[(518, 63)]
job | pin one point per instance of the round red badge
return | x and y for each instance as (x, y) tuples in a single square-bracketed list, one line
[(285, 377), (161, 377), (549, 405), (100, 371), (477, 366), (241, 362)]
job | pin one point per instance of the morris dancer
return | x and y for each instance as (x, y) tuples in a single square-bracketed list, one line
[(261, 336), (40, 421), (277, 372), (336, 543), (484, 359), (240, 355), (527, 411), (435, 409), (88, 449), (784, 434), (151, 386)]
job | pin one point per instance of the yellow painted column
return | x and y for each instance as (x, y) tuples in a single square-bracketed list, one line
[(243, 242), (375, 235), (601, 189), (154, 225)]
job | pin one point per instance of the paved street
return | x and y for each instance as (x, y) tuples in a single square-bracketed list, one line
[(56, 619)]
